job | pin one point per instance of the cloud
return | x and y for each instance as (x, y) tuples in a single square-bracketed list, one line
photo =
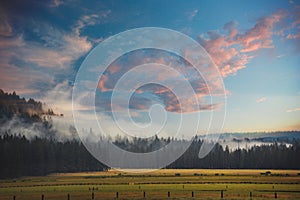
[(228, 59), (293, 110), (290, 30), (161, 94), (281, 55), (192, 14), (102, 83), (262, 99), (58, 51), (231, 28), (294, 30), (61, 58), (36, 65), (114, 69), (91, 20), (296, 22), (13, 78), (260, 36), (59, 99), (231, 51), (5, 28), (293, 36), (56, 3)]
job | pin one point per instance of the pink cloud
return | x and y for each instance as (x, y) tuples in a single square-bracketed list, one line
[(102, 83), (260, 36), (227, 57), (293, 36), (113, 69), (164, 95), (230, 51)]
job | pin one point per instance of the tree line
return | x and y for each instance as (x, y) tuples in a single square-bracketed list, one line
[(274, 156), (40, 156)]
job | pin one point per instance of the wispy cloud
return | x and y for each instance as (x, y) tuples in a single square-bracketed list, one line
[(295, 27), (192, 14), (56, 3), (293, 110), (261, 100), (5, 28), (281, 55), (91, 20), (291, 31), (73, 47)]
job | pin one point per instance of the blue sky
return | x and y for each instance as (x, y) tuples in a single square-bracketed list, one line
[(255, 44)]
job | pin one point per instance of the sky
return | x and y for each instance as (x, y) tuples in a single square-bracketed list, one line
[(254, 44)]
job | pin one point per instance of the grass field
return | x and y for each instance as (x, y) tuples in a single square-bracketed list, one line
[(180, 184)]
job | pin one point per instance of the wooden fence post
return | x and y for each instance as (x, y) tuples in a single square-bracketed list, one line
[(168, 194), (221, 194), (117, 194), (144, 194), (275, 195), (42, 196), (192, 193), (93, 195), (250, 195), (14, 198), (68, 196)]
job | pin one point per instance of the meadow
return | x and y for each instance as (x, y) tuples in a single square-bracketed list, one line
[(160, 184)]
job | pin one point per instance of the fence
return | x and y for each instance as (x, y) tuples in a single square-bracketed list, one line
[(218, 194)]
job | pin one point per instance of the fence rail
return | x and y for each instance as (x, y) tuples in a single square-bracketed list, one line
[(191, 194)]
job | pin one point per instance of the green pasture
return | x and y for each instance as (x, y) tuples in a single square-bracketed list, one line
[(180, 184)]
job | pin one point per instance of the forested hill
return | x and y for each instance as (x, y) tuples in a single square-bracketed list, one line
[(30, 118), (11, 105)]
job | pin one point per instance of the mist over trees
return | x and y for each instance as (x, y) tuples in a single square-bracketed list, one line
[(43, 154), (26, 117), (11, 105), (40, 156)]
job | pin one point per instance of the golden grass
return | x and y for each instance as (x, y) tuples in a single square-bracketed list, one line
[(206, 184), (163, 172)]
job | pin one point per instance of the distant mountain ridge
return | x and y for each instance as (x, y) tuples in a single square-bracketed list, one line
[(256, 136)]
